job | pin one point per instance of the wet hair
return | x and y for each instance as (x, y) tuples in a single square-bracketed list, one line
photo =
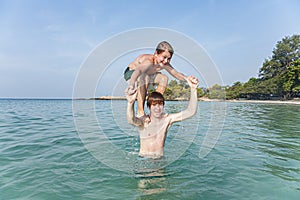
[(155, 96), (163, 46)]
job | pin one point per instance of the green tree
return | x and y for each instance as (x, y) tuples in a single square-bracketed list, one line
[(180, 90), (177, 90), (217, 92), (268, 87), (291, 85), (234, 91), (173, 83), (249, 89), (286, 51), (201, 92), (168, 93), (278, 71)]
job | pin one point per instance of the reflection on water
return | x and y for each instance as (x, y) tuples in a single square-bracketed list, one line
[(150, 183), (151, 176)]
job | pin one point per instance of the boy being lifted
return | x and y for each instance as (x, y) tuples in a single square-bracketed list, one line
[(145, 69)]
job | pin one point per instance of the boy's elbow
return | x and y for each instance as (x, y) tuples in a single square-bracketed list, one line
[(193, 111), (190, 112)]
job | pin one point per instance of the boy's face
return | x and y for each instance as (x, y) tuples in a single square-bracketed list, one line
[(163, 58), (157, 108)]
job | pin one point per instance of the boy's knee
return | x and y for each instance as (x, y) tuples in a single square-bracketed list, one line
[(143, 80)]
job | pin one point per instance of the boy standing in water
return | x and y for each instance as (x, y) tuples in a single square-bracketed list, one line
[(146, 69), (153, 132)]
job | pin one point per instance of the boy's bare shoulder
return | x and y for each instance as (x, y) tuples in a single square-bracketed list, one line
[(167, 117), (145, 58)]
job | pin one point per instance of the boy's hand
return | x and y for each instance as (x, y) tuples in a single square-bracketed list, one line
[(192, 81), (131, 94), (131, 89)]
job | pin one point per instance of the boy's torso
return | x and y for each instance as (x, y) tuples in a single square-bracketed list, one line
[(152, 137)]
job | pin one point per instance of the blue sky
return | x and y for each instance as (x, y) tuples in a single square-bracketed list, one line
[(44, 43)]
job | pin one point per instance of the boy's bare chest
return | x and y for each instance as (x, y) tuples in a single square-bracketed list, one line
[(154, 129)]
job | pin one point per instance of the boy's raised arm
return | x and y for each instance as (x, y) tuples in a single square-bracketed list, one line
[(131, 118), (193, 102)]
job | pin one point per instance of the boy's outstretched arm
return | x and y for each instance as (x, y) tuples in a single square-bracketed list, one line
[(131, 118), (193, 102), (175, 73)]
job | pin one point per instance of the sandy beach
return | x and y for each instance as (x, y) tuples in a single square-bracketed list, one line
[(294, 101)]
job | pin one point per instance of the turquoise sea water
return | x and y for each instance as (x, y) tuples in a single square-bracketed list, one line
[(43, 156)]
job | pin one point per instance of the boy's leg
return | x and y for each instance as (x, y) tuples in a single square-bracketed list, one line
[(162, 81), (143, 82)]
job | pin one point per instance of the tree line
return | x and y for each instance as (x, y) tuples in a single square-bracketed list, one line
[(278, 78)]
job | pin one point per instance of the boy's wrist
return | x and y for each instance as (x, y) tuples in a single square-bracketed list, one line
[(131, 85)]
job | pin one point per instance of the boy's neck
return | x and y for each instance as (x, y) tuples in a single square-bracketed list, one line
[(154, 118)]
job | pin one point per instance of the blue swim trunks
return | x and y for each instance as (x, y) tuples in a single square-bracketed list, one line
[(128, 73)]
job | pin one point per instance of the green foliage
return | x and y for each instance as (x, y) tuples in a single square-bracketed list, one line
[(201, 92), (234, 91), (278, 76), (280, 70), (179, 90), (291, 78), (287, 51), (250, 86), (217, 92)]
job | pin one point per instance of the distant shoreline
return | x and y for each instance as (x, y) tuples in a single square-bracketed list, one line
[(294, 101)]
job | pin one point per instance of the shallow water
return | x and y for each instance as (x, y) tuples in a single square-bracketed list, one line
[(43, 154)]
